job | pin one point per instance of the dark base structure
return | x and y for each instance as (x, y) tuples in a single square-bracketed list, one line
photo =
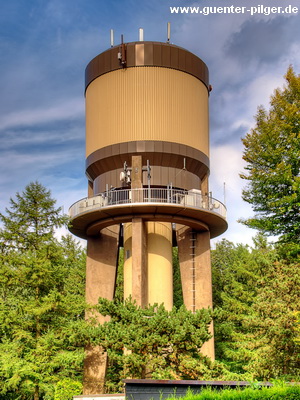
[(145, 389)]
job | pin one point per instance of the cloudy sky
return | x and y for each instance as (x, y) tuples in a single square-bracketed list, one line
[(45, 46)]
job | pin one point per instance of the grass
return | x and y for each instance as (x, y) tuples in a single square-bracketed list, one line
[(271, 393)]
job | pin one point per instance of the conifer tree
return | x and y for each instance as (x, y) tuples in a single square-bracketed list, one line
[(235, 271), (41, 297), (159, 344), (256, 297), (274, 325)]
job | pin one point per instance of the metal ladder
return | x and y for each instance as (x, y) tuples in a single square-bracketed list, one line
[(193, 238)]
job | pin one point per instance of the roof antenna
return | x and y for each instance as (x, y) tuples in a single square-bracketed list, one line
[(169, 32), (141, 34), (111, 38), (122, 53)]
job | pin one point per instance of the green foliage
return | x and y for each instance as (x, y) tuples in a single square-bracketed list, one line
[(160, 344), (235, 270), (119, 292), (41, 297), (43, 332), (272, 154), (66, 389), (31, 220), (177, 287), (274, 323), (257, 297), (261, 393)]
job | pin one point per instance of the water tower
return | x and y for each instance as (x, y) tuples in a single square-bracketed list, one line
[(147, 164)]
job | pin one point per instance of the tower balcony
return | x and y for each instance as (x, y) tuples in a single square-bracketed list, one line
[(201, 212)]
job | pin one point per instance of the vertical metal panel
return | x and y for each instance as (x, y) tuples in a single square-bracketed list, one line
[(130, 54), (114, 61), (148, 53), (166, 56), (174, 57), (181, 59), (156, 54), (188, 61), (139, 55), (107, 63)]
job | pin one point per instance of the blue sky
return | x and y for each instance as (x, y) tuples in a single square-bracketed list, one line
[(45, 46)]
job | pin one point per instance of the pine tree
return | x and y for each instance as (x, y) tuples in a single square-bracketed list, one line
[(159, 344), (41, 297)]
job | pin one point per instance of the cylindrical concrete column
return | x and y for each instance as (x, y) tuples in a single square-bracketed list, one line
[(157, 274), (127, 260), (160, 270)]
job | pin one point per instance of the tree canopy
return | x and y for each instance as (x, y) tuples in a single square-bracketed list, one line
[(159, 344), (43, 331), (272, 154), (256, 297), (41, 295)]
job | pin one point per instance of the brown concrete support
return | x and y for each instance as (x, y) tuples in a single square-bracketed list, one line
[(139, 262), (195, 270), (101, 269), (204, 285), (204, 185), (90, 189), (137, 178)]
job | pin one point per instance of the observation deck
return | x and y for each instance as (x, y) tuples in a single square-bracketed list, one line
[(191, 208)]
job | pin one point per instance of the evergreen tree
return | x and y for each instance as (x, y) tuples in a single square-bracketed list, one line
[(274, 346), (177, 284), (256, 298), (31, 220), (41, 298), (272, 154), (235, 273), (158, 344)]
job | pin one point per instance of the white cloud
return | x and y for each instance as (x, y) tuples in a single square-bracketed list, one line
[(226, 164), (70, 109)]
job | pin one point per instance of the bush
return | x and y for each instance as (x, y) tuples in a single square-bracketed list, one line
[(66, 389)]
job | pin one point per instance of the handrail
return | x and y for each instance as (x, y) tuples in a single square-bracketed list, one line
[(185, 198)]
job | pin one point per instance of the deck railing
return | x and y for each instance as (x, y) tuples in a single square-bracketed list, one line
[(188, 199)]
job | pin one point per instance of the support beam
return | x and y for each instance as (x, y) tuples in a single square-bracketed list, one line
[(204, 185), (139, 262), (204, 285), (101, 269), (195, 270)]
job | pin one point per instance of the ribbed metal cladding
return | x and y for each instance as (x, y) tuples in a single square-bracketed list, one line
[(147, 103)]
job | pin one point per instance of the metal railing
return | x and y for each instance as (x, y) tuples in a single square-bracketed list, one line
[(185, 198)]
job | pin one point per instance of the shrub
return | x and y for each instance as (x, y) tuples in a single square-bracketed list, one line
[(66, 389)]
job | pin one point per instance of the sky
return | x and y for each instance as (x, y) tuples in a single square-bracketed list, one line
[(45, 46)]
